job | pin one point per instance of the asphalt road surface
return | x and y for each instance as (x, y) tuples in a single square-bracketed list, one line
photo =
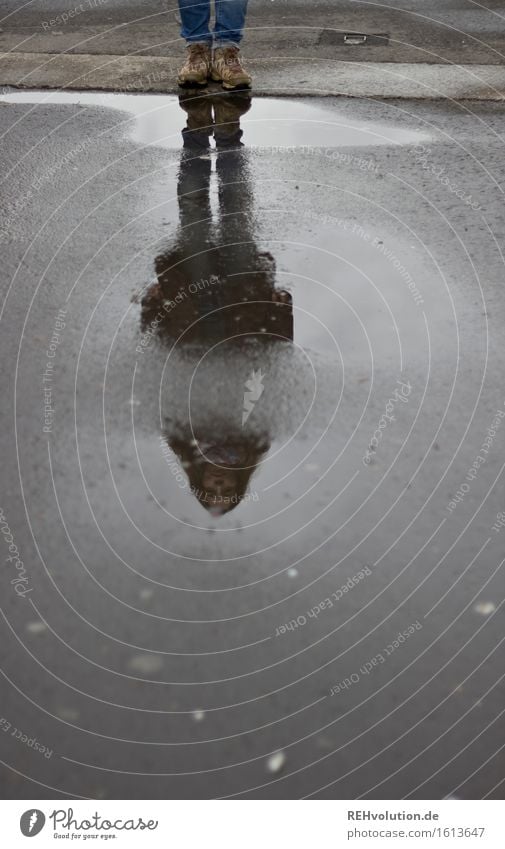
[(253, 430), (454, 31)]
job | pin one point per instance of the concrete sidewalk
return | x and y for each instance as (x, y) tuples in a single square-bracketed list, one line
[(271, 77)]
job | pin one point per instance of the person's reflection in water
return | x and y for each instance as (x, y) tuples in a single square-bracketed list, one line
[(216, 288)]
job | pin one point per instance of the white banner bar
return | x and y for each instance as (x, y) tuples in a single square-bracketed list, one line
[(253, 824)]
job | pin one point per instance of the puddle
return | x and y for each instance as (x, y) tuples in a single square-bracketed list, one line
[(271, 122), (272, 302)]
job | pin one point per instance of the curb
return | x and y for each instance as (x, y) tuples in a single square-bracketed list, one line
[(279, 78)]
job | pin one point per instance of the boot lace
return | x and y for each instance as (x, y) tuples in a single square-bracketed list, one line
[(230, 56), (197, 53)]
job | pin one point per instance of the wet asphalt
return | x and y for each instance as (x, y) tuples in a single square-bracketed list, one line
[(253, 432), (454, 31)]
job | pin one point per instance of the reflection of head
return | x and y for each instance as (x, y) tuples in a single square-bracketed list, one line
[(219, 477)]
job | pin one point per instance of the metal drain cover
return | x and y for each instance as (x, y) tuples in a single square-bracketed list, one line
[(354, 39)]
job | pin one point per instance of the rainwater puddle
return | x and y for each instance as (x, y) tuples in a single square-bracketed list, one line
[(270, 122)]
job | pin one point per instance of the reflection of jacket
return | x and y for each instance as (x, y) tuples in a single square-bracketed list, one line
[(219, 306)]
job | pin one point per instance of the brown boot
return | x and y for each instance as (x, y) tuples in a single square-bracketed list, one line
[(228, 109), (196, 69), (226, 68), (198, 110)]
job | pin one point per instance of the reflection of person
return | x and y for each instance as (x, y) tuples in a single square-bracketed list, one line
[(216, 293), (213, 55), (205, 278)]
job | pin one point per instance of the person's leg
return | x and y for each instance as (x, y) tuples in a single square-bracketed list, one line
[(195, 17), (228, 33), (230, 22), (193, 192), (228, 110)]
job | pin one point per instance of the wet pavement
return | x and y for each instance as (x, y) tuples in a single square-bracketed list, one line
[(453, 31), (253, 437)]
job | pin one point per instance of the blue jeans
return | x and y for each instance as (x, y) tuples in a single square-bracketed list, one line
[(229, 25)]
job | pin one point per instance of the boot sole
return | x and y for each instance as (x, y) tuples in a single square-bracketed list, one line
[(216, 79), (239, 87), (192, 84)]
